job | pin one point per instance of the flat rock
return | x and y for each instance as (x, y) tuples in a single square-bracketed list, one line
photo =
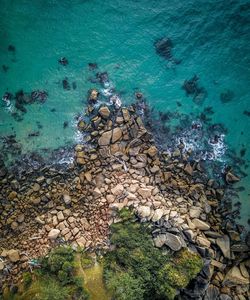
[(213, 234), (117, 190), (203, 241), (144, 192), (218, 264), (53, 234), (212, 293), (13, 255), (194, 212), (88, 176), (173, 241), (199, 224), (224, 245), (60, 216), (126, 114), (243, 270), (97, 193), (188, 169)]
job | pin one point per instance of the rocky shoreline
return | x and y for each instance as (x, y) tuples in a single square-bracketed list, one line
[(120, 166)]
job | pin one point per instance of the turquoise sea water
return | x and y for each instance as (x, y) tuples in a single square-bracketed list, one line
[(210, 37)]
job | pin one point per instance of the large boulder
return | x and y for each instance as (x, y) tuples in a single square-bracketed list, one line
[(53, 234), (105, 138), (173, 241), (157, 215), (13, 255), (117, 134), (234, 277), (224, 245), (199, 224), (104, 112), (144, 211), (160, 240)]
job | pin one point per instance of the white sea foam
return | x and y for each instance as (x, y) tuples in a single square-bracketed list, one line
[(199, 143)]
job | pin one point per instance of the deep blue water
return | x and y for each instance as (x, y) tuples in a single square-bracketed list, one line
[(211, 38)]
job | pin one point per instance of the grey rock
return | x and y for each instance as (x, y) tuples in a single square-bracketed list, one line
[(173, 241), (212, 293), (67, 199), (200, 224), (160, 240), (224, 245)]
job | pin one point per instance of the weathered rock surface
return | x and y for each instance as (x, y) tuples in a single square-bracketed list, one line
[(104, 112), (53, 234), (173, 241), (13, 255), (144, 192), (224, 245), (160, 240), (105, 138), (144, 211), (157, 215), (199, 224), (234, 277)]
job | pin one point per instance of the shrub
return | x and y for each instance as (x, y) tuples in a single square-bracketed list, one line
[(136, 264), (124, 286), (51, 290), (60, 262)]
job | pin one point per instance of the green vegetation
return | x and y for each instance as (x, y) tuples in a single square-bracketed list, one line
[(136, 270), (57, 279), (133, 270)]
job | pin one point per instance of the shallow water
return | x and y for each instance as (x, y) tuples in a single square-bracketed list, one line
[(211, 38)]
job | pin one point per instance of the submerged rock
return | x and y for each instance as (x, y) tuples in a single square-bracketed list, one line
[(231, 178), (164, 47)]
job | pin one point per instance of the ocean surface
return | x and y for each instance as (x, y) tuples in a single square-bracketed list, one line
[(209, 39)]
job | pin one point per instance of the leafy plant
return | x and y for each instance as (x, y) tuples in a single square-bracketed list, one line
[(136, 265)]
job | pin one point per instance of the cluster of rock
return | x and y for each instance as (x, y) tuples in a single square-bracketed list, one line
[(119, 167)]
